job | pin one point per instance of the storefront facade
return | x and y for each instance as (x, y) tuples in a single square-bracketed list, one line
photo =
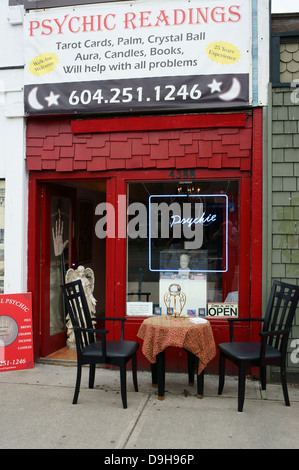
[(72, 163), (135, 195)]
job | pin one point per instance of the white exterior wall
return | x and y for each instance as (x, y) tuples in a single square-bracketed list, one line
[(263, 41), (12, 148)]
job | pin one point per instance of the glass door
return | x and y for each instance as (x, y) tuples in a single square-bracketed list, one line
[(57, 246)]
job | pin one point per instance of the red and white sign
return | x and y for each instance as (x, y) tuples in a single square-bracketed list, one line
[(16, 341), (125, 56)]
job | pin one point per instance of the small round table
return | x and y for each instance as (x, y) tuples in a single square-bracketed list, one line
[(161, 332)]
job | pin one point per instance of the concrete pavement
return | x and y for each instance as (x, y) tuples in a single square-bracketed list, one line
[(37, 413)]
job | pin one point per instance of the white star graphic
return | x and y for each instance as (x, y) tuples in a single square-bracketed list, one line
[(52, 99), (215, 86)]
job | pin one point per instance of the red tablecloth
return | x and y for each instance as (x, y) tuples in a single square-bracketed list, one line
[(158, 333)]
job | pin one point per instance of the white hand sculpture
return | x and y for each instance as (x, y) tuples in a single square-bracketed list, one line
[(59, 244)]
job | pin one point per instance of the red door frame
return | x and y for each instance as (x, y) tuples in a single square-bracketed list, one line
[(33, 262), (50, 343), (35, 231)]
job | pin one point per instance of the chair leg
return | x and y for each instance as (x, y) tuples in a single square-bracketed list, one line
[(134, 372), (241, 387), (123, 384), (221, 373), (263, 377), (284, 385), (77, 387), (92, 369)]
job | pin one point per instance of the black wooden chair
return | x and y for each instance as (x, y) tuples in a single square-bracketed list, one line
[(272, 349), (91, 351)]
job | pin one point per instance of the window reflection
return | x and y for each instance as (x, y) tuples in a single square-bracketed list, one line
[(206, 267)]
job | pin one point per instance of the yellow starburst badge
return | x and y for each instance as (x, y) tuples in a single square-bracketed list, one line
[(223, 53), (43, 63)]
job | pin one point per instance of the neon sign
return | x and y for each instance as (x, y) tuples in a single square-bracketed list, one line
[(188, 224)]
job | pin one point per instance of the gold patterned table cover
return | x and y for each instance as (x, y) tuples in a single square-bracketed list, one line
[(158, 333)]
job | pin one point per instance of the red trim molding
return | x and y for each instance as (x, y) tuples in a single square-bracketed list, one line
[(198, 121), (257, 221)]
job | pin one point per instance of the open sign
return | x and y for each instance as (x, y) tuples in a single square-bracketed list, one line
[(222, 310)]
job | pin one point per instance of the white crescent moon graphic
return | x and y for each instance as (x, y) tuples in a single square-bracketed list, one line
[(233, 92), (32, 99)]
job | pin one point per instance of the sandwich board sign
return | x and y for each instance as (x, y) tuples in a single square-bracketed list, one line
[(16, 339)]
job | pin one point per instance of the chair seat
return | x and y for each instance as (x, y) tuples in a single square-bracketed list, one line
[(245, 351), (114, 349)]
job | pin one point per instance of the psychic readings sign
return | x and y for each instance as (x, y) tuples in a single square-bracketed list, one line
[(122, 56), (16, 343)]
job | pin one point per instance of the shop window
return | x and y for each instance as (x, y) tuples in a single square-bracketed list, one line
[(284, 59), (289, 61), (182, 246), (2, 221)]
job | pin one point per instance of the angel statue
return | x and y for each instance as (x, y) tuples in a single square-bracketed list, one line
[(87, 278)]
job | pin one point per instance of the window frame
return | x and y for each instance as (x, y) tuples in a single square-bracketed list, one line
[(276, 40), (225, 274), (246, 249)]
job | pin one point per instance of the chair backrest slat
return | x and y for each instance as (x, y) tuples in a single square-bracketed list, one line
[(281, 310), (78, 310)]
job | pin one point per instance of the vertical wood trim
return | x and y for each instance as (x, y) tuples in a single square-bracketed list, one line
[(33, 261), (245, 242), (110, 254), (257, 220)]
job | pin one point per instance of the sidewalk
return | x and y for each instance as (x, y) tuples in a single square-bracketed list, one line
[(37, 413)]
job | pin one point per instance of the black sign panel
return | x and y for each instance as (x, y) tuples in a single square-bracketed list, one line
[(146, 94)]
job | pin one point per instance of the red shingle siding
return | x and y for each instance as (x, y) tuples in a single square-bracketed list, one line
[(51, 145)]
